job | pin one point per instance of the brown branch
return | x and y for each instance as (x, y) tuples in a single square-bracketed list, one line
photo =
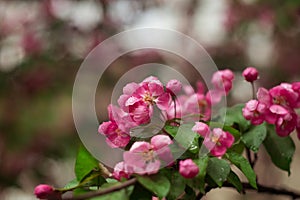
[(246, 186), (104, 191), (261, 189)]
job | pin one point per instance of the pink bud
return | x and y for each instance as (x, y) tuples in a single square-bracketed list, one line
[(250, 74), (201, 128), (174, 86), (188, 169), (43, 191)]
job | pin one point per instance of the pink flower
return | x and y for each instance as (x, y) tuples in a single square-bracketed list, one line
[(222, 80), (138, 99), (115, 137), (174, 86), (298, 127), (140, 112), (250, 74), (286, 124), (120, 171), (44, 191), (296, 88), (254, 111), (274, 112), (160, 144), (264, 96), (201, 128), (214, 96), (284, 95), (188, 169), (197, 104), (143, 157), (218, 142), (117, 129)]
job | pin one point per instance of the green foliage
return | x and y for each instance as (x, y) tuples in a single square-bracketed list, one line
[(244, 165), (140, 193), (254, 137), (85, 164), (280, 149), (158, 184), (184, 136), (218, 170), (177, 185), (234, 116), (235, 181)]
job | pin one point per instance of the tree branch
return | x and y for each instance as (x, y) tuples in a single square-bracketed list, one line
[(261, 189), (104, 191), (246, 186)]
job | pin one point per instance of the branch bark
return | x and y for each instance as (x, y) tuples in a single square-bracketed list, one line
[(246, 186), (104, 191)]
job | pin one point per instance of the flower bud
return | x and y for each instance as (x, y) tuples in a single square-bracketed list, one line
[(43, 191), (188, 169), (174, 86), (250, 74)]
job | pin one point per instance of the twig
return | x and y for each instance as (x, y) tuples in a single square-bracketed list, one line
[(261, 189), (103, 192)]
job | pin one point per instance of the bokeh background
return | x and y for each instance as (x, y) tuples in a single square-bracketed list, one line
[(42, 44)]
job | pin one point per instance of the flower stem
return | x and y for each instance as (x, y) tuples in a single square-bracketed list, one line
[(104, 191), (253, 90)]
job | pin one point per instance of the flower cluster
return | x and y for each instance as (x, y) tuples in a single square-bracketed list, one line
[(198, 104), (136, 106), (276, 106)]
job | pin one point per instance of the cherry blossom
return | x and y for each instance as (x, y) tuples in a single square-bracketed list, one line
[(201, 128), (222, 80), (117, 129), (188, 169), (144, 157), (138, 99), (218, 141), (255, 112), (250, 74), (120, 171), (44, 191), (174, 86)]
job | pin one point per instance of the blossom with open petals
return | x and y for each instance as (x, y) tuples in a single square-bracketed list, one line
[(255, 112), (222, 80), (145, 157), (218, 142)]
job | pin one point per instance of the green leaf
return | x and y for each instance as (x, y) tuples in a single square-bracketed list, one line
[(235, 115), (280, 149), (254, 137), (243, 164), (189, 194), (199, 181), (85, 164), (218, 170), (71, 185), (184, 136), (237, 148), (177, 186), (140, 193), (235, 181), (93, 179), (157, 184)]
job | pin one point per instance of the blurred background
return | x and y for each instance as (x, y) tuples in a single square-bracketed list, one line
[(42, 44)]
